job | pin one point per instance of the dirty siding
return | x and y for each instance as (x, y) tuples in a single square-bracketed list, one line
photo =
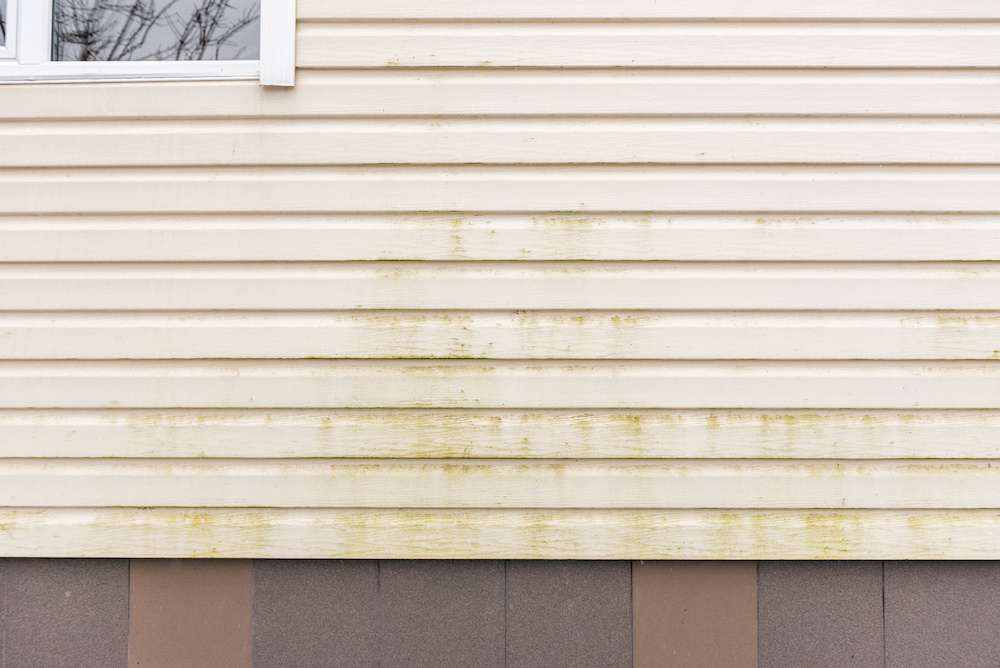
[(592, 279)]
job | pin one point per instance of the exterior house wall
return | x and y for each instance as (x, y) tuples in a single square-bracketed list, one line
[(582, 280)]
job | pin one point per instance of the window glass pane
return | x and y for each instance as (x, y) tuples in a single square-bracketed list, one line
[(3, 22), (156, 30)]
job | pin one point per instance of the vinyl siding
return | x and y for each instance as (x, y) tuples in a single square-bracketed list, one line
[(590, 279)]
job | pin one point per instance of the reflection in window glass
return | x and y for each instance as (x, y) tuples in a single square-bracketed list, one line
[(3, 22), (156, 30)]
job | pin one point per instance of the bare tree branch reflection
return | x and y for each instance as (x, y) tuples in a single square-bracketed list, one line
[(104, 30)]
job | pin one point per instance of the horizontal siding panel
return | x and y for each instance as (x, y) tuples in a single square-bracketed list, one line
[(501, 534), (510, 286), (501, 141), (502, 189), (508, 484), (636, 44), (489, 237), (536, 384), (647, 9), (488, 335), (535, 434), (447, 92)]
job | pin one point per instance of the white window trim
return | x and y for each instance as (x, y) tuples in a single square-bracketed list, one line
[(10, 39), (27, 56)]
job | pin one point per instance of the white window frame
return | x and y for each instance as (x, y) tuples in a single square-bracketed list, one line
[(27, 53), (7, 51)]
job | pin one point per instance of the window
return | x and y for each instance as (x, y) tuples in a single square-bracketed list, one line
[(5, 38), (66, 40)]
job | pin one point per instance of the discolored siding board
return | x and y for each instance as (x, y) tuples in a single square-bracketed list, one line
[(540, 335), (506, 484), (530, 434), (340, 237), (348, 533)]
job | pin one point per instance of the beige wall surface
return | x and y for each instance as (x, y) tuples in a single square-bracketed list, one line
[(582, 280)]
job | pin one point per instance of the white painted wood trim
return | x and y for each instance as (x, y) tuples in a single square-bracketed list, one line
[(8, 49), (500, 534), (34, 63), (128, 71), (34, 34), (277, 43)]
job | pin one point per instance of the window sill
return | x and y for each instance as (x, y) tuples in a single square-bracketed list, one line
[(128, 71)]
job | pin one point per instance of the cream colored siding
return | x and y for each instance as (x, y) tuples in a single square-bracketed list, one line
[(650, 44), (504, 433), (478, 237), (507, 141), (624, 335), (848, 10), (562, 279)]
